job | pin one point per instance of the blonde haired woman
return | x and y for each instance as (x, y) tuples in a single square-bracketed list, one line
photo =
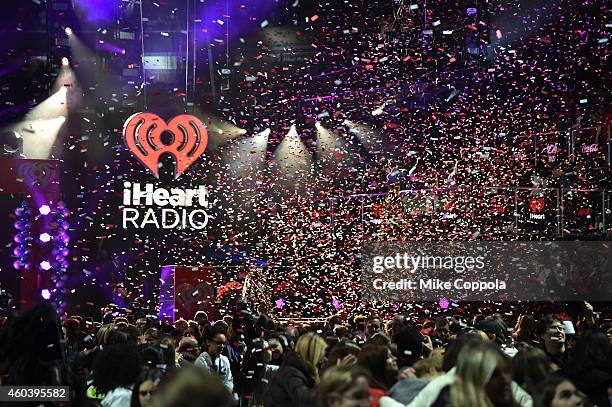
[(294, 382), (483, 378)]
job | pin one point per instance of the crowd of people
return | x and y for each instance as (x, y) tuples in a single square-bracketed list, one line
[(473, 356), (469, 106)]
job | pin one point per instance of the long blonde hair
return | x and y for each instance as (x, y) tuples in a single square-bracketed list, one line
[(475, 366), (311, 347)]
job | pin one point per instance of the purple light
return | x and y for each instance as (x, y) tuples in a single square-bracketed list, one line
[(443, 303), (44, 209), (45, 237), (95, 11), (111, 48), (45, 265), (471, 11), (16, 264), (46, 294)]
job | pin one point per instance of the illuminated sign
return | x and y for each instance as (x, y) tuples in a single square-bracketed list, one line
[(142, 134), (156, 206), (537, 206)]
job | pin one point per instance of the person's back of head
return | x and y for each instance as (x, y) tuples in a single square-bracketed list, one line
[(379, 338), (493, 329), (526, 329), (341, 350), (409, 341), (119, 336), (592, 351), (453, 350), (192, 387), (201, 317), (187, 343), (531, 367), (374, 359), (429, 367), (341, 331), (117, 364)]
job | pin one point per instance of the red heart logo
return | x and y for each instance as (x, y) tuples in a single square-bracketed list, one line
[(536, 204), (142, 134)]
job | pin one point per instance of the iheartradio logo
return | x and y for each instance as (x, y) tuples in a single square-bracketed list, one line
[(142, 133), (163, 206)]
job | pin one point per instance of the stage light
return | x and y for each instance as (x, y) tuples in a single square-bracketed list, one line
[(45, 237), (45, 265), (68, 31), (46, 294), (443, 303), (366, 135), (44, 209), (327, 142), (65, 61), (292, 155)]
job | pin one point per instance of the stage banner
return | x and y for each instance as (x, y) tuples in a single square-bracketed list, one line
[(185, 290)]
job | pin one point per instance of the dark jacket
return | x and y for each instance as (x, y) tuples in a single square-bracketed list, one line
[(292, 385)]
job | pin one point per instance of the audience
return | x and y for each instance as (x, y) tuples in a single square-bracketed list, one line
[(398, 364)]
